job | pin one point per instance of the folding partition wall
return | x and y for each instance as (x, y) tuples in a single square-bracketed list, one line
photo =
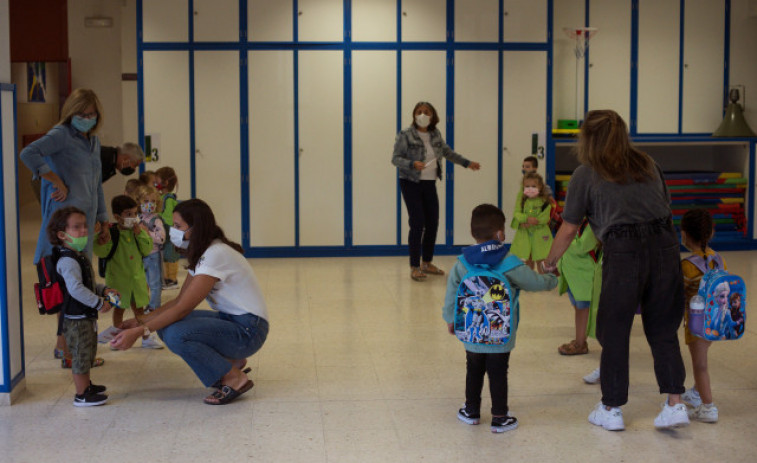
[(282, 115)]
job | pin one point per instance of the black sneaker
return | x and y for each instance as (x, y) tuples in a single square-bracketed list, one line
[(95, 389), (504, 423), (89, 400), (468, 416)]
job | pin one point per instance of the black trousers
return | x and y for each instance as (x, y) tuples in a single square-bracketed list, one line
[(641, 266), (495, 366), (423, 211)]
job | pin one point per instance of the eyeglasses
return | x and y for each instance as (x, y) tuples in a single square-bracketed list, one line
[(88, 115)]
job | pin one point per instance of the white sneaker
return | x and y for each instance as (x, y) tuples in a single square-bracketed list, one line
[(706, 413), (151, 342), (611, 420), (592, 378), (672, 416), (691, 397)]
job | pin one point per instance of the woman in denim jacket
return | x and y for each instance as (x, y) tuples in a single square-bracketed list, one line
[(67, 159), (417, 153)]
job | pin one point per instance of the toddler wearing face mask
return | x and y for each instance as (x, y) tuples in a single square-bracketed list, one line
[(125, 271), (533, 238), (166, 183), (149, 206)]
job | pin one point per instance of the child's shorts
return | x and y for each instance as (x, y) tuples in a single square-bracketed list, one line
[(578, 304), (81, 338)]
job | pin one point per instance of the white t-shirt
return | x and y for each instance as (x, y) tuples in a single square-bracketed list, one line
[(429, 172), (237, 292)]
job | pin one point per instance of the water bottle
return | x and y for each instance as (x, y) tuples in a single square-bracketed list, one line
[(696, 315)]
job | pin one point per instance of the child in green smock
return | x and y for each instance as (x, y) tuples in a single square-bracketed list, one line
[(533, 238), (576, 269), (125, 272)]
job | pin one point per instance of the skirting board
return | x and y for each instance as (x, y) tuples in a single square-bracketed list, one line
[(11, 397)]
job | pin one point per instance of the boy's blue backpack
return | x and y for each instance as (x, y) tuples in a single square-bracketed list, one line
[(720, 311), (483, 310)]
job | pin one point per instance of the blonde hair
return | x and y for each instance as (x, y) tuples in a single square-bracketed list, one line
[(145, 191), (604, 145), (542, 191), (78, 102)]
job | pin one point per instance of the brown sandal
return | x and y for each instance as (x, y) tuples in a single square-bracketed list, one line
[(572, 348), (431, 269), (417, 274)]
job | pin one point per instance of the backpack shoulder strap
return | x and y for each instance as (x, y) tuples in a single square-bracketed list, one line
[(114, 239), (717, 260), (509, 263), (698, 262)]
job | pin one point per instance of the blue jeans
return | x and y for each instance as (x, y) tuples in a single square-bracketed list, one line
[(154, 273), (207, 340)]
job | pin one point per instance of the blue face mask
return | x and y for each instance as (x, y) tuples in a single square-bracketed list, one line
[(82, 124)]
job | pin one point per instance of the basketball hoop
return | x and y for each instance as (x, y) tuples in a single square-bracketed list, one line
[(581, 35)]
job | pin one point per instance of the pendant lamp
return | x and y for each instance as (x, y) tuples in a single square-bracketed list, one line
[(734, 124)]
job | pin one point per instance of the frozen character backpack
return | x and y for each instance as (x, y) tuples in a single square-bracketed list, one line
[(483, 310), (718, 311)]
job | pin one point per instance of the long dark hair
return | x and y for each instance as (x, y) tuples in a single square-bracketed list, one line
[(697, 223), (199, 217)]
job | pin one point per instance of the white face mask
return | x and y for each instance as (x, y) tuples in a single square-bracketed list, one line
[(422, 120), (177, 238), (130, 222), (531, 191)]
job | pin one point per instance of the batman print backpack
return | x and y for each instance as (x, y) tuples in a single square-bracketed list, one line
[(483, 309), (718, 311)]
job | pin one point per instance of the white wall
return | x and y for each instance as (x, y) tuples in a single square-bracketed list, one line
[(743, 46), (5, 49), (96, 64)]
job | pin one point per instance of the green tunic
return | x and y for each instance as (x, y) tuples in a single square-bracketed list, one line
[(576, 266), (169, 204), (125, 272), (532, 242), (591, 329)]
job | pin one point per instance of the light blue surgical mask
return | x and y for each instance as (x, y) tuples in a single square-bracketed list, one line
[(82, 124)]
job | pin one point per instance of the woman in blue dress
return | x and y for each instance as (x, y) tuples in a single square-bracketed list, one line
[(67, 159)]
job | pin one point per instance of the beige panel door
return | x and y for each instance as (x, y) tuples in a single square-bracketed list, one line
[(321, 152), (166, 112), (217, 137), (374, 120), (271, 129), (476, 89)]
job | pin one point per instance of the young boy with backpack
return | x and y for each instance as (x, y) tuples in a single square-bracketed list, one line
[(124, 269), (481, 309), (67, 232)]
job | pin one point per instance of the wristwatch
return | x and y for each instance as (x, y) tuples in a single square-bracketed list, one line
[(146, 331)]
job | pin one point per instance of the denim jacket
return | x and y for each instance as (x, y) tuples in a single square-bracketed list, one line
[(76, 160), (408, 148)]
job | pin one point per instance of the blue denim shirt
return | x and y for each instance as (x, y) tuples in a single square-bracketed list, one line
[(408, 148), (76, 160)]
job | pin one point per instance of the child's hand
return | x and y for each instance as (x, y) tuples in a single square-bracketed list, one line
[(474, 166), (106, 307), (451, 328), (532, 221), (417, 165), (103, 236)]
